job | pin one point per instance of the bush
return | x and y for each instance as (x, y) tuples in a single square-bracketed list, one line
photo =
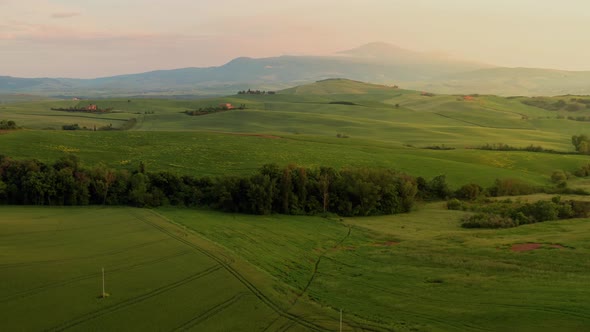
[(74, 126), (469, 191), (7, 125), (511, 187), (454, 204), (486, 220)]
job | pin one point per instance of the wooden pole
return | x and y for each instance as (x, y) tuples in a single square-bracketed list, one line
[(103, 292)]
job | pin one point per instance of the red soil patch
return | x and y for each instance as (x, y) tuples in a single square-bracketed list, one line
[(556, 246), (526, 246)]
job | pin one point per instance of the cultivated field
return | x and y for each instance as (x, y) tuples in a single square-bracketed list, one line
[(384, 127), (199, 270), (187, 269)]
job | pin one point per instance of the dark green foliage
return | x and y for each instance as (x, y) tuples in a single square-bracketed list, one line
[(583, 171), (506, 147), (511, 187), (342, 103), (559, 177), (454, 204), (581, 143), (289, 190), (439, 147), (545, 103), (74, 126), (503, 214), (469, 191), (437, 188), (487, 220), (7, 125)]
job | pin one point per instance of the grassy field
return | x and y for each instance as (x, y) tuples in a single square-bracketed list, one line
[(300, 126), (158, 275), (182, 269), (385, 127), (201, 153), (199, 270)]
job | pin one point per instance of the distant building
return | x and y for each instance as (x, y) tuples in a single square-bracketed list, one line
[(75, 99), (468, 98), (227, 106), (91, 107)]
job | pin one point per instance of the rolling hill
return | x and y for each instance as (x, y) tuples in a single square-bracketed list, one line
[(376, 62)]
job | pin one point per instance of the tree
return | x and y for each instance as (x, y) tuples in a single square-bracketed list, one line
[(469, 191), (581, 143)]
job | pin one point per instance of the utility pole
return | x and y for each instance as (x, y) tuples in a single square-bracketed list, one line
[(104, 294)]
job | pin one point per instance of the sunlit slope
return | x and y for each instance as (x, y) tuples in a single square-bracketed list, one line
[(206, 154), (339, 123)]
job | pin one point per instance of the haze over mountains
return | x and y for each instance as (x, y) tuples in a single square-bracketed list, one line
[(376, 63)]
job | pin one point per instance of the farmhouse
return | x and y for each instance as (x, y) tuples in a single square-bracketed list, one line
[(226, 106), (91, 107)]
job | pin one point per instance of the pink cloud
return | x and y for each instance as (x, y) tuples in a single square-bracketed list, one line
[(65, 14)]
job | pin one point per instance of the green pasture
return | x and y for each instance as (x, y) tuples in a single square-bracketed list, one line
[(158, 276), (418, 271), (201, 270), (381, 127), (211, 154)]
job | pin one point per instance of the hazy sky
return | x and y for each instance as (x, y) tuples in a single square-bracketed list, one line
[(91, 38)]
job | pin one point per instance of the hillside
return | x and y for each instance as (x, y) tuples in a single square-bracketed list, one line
[(378, 63), (334, 122)]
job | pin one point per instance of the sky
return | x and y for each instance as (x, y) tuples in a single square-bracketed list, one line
[(96, 38)]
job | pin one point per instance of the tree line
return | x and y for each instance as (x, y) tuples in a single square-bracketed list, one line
[(272, 189)]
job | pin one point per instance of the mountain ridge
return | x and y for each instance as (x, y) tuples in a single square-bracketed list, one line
[(378, 63)]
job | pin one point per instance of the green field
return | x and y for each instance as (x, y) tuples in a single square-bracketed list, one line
[(300, 126), (206, 271), (188, 269)]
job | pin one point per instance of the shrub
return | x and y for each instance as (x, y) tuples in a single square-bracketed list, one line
[(469, 191), (511, 187), (486, 220), (454, 204)]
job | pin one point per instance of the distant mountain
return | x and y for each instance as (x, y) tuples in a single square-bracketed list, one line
[(376, 62)]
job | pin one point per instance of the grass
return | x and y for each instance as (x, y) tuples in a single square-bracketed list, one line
[(418, 271), (210, 154), (159, 277), (203, 270), (386, 127)]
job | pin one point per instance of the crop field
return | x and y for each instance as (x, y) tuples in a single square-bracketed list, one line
[(190, 269), (378, 126), (181, 269), (158, 276)]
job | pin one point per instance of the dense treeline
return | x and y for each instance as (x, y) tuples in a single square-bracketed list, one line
[(289, 190), (506, 147), (508, 213)]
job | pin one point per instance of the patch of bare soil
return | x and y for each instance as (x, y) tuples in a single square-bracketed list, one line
[(526, 246), (556, 246)]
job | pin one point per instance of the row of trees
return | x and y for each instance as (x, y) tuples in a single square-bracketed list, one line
[(289, 190), (506, 214), (255, 92)]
